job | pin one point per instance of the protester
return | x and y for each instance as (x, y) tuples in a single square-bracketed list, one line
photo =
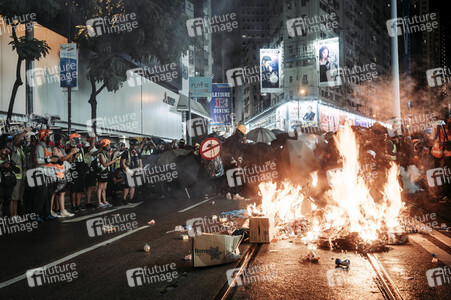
[(104, 165), (91, 178), (18, 156), (45, 164), (62, 169), (8, 169), (130, 159), (78, 171)]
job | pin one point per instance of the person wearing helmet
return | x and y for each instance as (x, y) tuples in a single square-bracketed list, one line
[(8, 170), (182, 144), (18, 156), (43, 183), (104, 165), (62, 167), (91, 154), (148, 147), (79, 170), (130, 159)]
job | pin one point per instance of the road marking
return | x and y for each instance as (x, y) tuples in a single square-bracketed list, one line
[(66, 258), (192, 206), (441, 237), (431, 248), (131, 205)]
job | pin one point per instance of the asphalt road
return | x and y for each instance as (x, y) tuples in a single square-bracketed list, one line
[(101, 269), (278, 271)]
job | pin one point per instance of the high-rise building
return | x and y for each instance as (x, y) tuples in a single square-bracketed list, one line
[(362, 34)]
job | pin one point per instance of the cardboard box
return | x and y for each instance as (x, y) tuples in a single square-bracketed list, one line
[(215, 249), (261, 230)]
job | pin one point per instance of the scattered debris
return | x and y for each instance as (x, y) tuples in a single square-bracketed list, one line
[(188, 257), (185, 237), (108, 228), (434, 258), (212, 203), (240, 213), (407, 278), (151, 222), (444, 226), (180, 228), (272, 250), (313, 257), (115, 215), (146, 247), (343, 263)]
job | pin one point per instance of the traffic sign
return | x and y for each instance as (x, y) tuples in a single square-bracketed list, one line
[(210, 148)]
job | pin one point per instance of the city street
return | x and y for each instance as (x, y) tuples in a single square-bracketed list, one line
[(102, 261), (225, 149)]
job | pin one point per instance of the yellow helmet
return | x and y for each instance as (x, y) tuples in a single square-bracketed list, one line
[(242, 128)]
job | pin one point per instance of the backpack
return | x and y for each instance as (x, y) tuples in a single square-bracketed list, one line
[(94, 167)]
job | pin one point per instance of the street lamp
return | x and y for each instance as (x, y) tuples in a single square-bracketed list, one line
[(300, 93)]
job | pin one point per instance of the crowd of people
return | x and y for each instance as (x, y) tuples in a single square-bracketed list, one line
[(38, 171)]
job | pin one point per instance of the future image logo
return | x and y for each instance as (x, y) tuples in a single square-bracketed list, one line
[(44, 176), (55, 274), (438, 76), (409, 25), (240, 76), (197, 226), (197, 127), (152, 175), (99, 226), (306, 25), (254, 174), (116, 24), (146, 275), (201, 26), (438, 176), (438, 276), (112, 124), (336, 276), (250, 275)]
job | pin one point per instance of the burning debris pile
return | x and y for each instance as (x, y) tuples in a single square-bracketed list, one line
[(352, 218)]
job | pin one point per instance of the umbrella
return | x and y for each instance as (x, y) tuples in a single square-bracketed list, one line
[(261, 135), (149, 160), (277, 131), (297, 161), (188, 170), (169, 156), (157, 140)]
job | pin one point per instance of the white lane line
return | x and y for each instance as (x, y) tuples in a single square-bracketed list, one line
[(441, 237), (66, 258), (192, 206), (431, 248), (131, 205), (434, 233)]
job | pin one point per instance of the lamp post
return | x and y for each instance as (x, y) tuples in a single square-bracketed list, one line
[(300, 93)]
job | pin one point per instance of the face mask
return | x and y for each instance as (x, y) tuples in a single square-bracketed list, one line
[(51, 143), (79, 146), (61, 146)]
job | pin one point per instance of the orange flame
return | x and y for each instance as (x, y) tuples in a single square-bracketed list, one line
[(350, 206)]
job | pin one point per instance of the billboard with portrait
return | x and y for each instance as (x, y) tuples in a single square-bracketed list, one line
[(270, 70), (328, 58)]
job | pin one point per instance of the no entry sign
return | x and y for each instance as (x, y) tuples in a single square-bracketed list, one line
[(210, 148)]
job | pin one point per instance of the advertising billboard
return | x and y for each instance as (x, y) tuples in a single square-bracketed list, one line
[(270, 70), (220, 105), (328, 54)]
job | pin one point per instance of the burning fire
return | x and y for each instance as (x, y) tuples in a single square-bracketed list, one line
[(350, 206)]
